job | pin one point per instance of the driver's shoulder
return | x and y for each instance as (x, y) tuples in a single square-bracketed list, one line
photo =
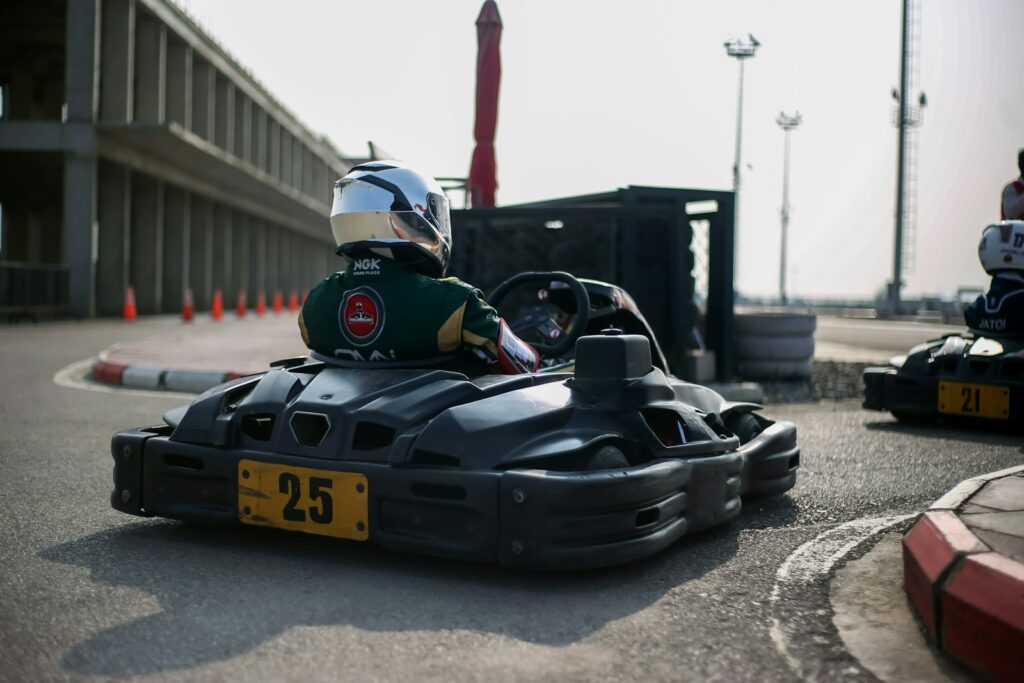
[(453, 287)]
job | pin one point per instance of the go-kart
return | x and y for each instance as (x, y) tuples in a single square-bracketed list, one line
[(959, 377), (599, 458)]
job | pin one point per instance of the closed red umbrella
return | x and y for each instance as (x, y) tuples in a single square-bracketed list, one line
[(483, 172)]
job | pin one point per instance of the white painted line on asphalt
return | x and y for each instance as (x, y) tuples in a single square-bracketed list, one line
[(76, 376), (812, 562)]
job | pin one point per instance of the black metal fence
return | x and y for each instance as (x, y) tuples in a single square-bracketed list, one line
[(30, 289), (637, 237)]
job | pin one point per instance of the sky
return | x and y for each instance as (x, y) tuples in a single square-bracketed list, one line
[(600, 95)]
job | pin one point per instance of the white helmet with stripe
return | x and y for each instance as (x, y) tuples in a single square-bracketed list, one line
[(1002, 247), (395, 212)]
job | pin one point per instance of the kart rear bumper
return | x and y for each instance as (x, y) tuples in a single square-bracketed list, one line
[(534, 519), (907, 394), (913, 395)]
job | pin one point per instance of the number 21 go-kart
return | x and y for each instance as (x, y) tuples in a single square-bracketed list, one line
[(960, 376), (592, 462)]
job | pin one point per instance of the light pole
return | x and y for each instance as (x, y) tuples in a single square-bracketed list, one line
[(741, 50), (787, 123)]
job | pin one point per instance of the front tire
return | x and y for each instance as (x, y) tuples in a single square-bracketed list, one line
[(606, 458), (744, 425)]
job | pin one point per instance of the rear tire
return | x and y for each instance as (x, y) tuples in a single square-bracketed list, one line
[(606, 458)]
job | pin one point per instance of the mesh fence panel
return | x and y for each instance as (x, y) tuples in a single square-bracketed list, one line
[(635, 252)]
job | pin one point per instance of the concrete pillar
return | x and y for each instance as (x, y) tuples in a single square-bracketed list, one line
[(147, 244), (272, 259), (224, 113), (203, 97), (286, 156), (297, 148), (179, 83), (262, 157), (81, 66), (200, 259), (257, 256), (150, 69), (114, 215), (240, 255), (177, 214), (220, 271), (300, 277), (304, 169), (117, 61), (284, 261), (78, 250), (254, 134), (242, 125), (275, 148)]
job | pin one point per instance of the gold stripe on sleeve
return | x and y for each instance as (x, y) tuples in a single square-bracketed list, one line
[(449, 336)]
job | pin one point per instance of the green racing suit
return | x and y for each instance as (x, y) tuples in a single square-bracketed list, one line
[(381, 312)]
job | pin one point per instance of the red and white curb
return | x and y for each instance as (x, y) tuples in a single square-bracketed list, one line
[(157, 379), (969, 598)]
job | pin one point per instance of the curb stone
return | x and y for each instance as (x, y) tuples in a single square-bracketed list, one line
[(969, 597), (140, 377)]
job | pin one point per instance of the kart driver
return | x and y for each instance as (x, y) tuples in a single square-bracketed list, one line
[(1000, 312), (392, 306), (1012, 205)]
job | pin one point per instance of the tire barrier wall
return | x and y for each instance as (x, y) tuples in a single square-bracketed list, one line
[(774, 345)]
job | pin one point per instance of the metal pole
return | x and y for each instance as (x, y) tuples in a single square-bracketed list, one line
[(739, 141), (785, 219), (787, 123), (897, 259), (741, 50)]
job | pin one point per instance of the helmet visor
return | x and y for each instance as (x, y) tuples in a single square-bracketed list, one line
[(363, 211), (382, 226)]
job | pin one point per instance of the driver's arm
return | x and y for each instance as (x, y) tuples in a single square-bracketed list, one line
[(490, 338)]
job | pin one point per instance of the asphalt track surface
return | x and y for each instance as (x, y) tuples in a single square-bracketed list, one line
[(88, 592)]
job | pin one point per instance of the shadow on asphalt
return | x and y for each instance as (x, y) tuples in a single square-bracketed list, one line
[(959, 431), (224, 591)]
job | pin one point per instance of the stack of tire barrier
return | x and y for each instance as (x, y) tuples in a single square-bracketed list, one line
[(775, 344)]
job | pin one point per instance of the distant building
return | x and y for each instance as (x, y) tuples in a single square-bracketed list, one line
[(135, 151)]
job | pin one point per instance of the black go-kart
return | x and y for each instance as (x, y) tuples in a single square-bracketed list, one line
[(961, 377), (599, 458)]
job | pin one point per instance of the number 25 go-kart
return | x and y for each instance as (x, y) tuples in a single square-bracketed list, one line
[(566, 468)]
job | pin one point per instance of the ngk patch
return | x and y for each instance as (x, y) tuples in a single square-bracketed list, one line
[(361, 316)]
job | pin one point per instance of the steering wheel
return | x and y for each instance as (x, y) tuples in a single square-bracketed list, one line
[(541, 318)]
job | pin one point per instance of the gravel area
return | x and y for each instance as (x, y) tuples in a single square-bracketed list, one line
[(832, 380)]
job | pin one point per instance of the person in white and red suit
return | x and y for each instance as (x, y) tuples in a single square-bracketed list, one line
[(1012, 206)]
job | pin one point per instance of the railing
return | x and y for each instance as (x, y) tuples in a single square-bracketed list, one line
[(32, 288)]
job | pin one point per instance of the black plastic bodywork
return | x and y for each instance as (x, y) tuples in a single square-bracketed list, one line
[(488, 468), (909, 387)]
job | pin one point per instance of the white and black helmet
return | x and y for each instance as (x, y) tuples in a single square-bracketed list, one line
[(396, 212), (1002, 247)]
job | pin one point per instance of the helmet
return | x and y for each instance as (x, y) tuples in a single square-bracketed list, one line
[(396, 212), (1002, 247)]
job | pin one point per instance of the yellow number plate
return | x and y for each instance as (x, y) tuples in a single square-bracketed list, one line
[(974, 400), (303, 499)]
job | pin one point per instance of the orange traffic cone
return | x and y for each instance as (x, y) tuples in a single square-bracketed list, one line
[(217, 308), (241, 306), (129, 312), (293, 301), (278, 302), (188, 310), (261, 304)]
